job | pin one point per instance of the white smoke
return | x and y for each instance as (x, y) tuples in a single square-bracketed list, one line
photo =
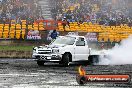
[(120, 54)]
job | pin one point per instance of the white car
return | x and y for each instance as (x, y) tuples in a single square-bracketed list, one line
[(65, 49)]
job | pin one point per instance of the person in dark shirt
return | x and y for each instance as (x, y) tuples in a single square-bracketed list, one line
[(54, 34)]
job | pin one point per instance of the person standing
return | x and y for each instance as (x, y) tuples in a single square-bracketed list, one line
[(54, 34)]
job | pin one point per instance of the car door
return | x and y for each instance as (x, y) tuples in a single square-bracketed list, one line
[(81, 50)]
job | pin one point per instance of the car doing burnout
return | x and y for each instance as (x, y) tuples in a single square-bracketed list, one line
[(65, 49)]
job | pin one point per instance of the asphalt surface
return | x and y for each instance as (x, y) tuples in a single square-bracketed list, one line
[(25, 73)]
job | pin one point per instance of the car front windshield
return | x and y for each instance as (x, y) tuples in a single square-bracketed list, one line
[(66, 40)]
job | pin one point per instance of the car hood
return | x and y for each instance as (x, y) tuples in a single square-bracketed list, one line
[(56, 46), (42, 48), (50, 46)]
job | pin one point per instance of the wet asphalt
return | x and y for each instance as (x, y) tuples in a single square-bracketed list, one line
[(25, 73)]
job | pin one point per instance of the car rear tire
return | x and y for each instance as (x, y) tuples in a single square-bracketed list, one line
[(65, 60), (40, 63), (93, 59)]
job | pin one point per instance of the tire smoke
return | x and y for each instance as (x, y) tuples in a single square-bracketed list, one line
[(120, 54)]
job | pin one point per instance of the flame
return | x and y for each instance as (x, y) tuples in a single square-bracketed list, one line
[(81, 71)]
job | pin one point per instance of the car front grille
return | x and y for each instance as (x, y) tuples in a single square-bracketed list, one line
[(44, 51)]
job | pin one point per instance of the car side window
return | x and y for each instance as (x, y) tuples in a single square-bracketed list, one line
[(80, 42)]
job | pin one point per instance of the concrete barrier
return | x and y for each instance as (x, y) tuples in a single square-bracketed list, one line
[(15, 54)]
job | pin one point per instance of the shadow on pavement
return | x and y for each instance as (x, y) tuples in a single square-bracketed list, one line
[(73, 64)]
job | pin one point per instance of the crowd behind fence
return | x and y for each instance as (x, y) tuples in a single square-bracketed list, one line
[(110, 19), (19, 10), (104, 12), (34, 31)]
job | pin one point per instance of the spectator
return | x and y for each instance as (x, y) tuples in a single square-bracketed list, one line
[(54, 34), (18, 10), (104, 12)]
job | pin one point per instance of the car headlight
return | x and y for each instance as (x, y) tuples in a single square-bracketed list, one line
[(55, 50), (34, 50)]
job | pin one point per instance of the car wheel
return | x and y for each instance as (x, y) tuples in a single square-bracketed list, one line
[(40, 63), (93, 60), (65, 60)]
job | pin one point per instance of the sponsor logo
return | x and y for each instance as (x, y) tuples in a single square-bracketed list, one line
[(84, 78), (33, 37)]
